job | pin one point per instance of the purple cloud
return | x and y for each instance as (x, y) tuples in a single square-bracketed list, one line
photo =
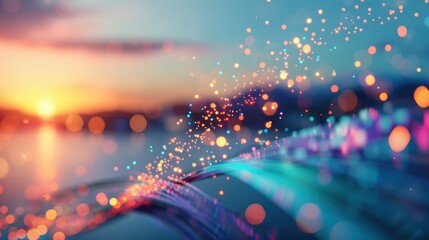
[(19, 19)]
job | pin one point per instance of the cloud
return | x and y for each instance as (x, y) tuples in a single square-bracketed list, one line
[(19, 18), (29, 22), (124, 47)]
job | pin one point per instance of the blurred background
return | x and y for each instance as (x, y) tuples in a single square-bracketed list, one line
[(95, 90)]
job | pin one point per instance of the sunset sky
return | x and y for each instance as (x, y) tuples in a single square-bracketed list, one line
[(59, 57)]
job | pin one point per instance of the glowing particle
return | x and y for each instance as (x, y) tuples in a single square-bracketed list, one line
[(383, 96), (236, 65), (59, 236), (42, 229), (370, 80), (247, 51), (51, 214), (347, 101), (96, 125), (388, 48), (402, 31), (296, 40), (82, 209), (421, 96), (113, 201), (358, 64), (399, 138), (262, 65), (255, 214), (308, 219), (334, 88), (283, 75), (221, 141), (306, 48), (265, 96), (284, 27), (138, 123), (372, 50), (101, 198), (33, 234), (221, 193), (74, 123), (237, 127), (270, 108), (309, 20)]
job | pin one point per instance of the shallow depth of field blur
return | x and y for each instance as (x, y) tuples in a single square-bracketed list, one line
[(97, 90)]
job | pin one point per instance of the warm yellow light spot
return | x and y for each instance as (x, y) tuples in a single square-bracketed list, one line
[(399, 138), (283, 75), (33, 234), (221, 141), (113, 201), (221, 192), (402, 31), (51, 214), (358, 64), (45, 109), (309, 20), (370, 80), (421, 96), (138, 123), (295, 40), (306, 48), (236, 65), (42, 229), (383, 96)]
